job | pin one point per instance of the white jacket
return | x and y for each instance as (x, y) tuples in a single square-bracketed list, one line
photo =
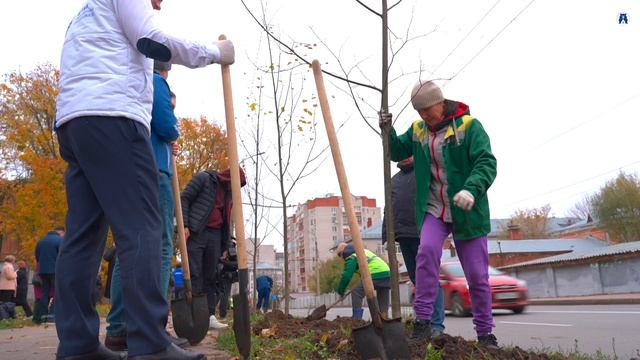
[(107, 67)]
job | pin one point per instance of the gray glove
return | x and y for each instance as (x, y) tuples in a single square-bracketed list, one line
[(384, 119), (227, 52)]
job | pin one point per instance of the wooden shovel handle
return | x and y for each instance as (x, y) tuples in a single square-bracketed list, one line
[(344, 184), (182, 243), (238, 217)]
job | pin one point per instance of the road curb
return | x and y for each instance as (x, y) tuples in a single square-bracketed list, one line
[(577, 301)]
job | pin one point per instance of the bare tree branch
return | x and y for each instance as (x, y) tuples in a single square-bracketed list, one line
[(295, 53), (368, 8)]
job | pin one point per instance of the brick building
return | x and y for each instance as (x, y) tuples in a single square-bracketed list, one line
[(316, 227)]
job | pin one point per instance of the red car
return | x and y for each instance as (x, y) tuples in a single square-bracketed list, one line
[(507, 292)]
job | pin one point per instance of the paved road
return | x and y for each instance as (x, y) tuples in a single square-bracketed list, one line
[(612, 329)]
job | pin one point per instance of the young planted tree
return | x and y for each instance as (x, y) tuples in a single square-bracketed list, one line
[(289, 117), (617, 205), (354, 87)]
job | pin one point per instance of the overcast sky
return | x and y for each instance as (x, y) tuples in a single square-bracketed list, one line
[(555, 83)]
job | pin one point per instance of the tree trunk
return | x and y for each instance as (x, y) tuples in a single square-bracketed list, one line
[(386, 154)]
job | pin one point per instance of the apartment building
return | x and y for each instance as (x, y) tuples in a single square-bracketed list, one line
[(316, 227)]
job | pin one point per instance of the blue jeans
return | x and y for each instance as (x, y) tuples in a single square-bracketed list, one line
[(409, 248), (263, 299), (116, 318)]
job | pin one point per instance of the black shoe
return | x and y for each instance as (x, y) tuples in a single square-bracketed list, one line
[(180, 342), (489, 341), (101, 353), (170, 353), (116, 343), (435, 333), (421, 330)]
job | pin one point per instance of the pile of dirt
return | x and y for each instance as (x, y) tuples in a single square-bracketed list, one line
[(456, 347), (336, 336)]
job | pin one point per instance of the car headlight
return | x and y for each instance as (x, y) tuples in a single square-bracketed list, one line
[(522, 283)]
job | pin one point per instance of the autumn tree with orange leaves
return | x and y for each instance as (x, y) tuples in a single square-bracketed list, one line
[(203, 146), (32, 189), (30, 166)]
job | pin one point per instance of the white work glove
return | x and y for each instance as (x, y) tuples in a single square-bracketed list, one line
[(227, 52), (464, 200)]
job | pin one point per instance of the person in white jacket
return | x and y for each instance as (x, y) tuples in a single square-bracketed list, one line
[(102, 123)]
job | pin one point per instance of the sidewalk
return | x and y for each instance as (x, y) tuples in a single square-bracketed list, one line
[(40, 343), (609, 299)]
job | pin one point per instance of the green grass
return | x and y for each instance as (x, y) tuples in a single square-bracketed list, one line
[(19, 322)]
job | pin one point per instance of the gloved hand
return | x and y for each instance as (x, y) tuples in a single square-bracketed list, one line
[(385, 119), (227, 52), (464, 200)]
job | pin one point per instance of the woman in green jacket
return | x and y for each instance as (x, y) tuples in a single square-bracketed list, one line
[(454, 167)]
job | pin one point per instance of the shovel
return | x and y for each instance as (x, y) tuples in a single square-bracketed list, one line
[(190, 314), (380, 339), (321, 311), (241, 313)]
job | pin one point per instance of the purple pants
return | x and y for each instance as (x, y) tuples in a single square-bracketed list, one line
[(474, 258)]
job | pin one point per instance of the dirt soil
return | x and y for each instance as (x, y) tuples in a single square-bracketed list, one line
[(336, 335)]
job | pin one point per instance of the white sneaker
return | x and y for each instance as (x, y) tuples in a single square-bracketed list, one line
[(215, 324)]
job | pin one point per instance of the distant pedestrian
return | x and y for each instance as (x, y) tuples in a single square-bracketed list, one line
[(178, 281), (264, 284), (380, 274), (8, 279), (403, 197), (23, 287), (46, 256), (454, 169)]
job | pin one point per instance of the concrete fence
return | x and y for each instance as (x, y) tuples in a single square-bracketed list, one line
[(594, 278)]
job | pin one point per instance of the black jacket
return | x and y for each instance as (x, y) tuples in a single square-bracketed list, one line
[(23, 284), (198, 199), (403, 196)]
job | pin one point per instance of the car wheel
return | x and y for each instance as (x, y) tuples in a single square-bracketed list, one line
[(457, 306), (518, 310)]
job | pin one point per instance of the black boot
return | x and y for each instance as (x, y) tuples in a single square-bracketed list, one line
[(100, 353), (172, 352), (421, 330), (488, 341)]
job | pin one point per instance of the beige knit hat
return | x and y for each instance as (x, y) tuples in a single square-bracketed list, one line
[(425, 94)]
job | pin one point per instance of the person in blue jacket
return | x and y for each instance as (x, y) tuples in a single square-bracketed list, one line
[(164, 133), (264, 283)]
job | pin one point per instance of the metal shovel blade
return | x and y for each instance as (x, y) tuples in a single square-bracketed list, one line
[(241, 316), (191, 319), (318, 313), (388, 343)]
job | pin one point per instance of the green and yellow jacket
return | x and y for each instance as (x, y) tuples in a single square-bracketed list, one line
[(469, 163), (377, 267)]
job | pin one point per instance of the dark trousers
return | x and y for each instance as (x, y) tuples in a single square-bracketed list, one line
[(263, 299), (48, 282), (409, 249), (6, 295), (22, 301), (204, 250), (224, 293), (111, 179)]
